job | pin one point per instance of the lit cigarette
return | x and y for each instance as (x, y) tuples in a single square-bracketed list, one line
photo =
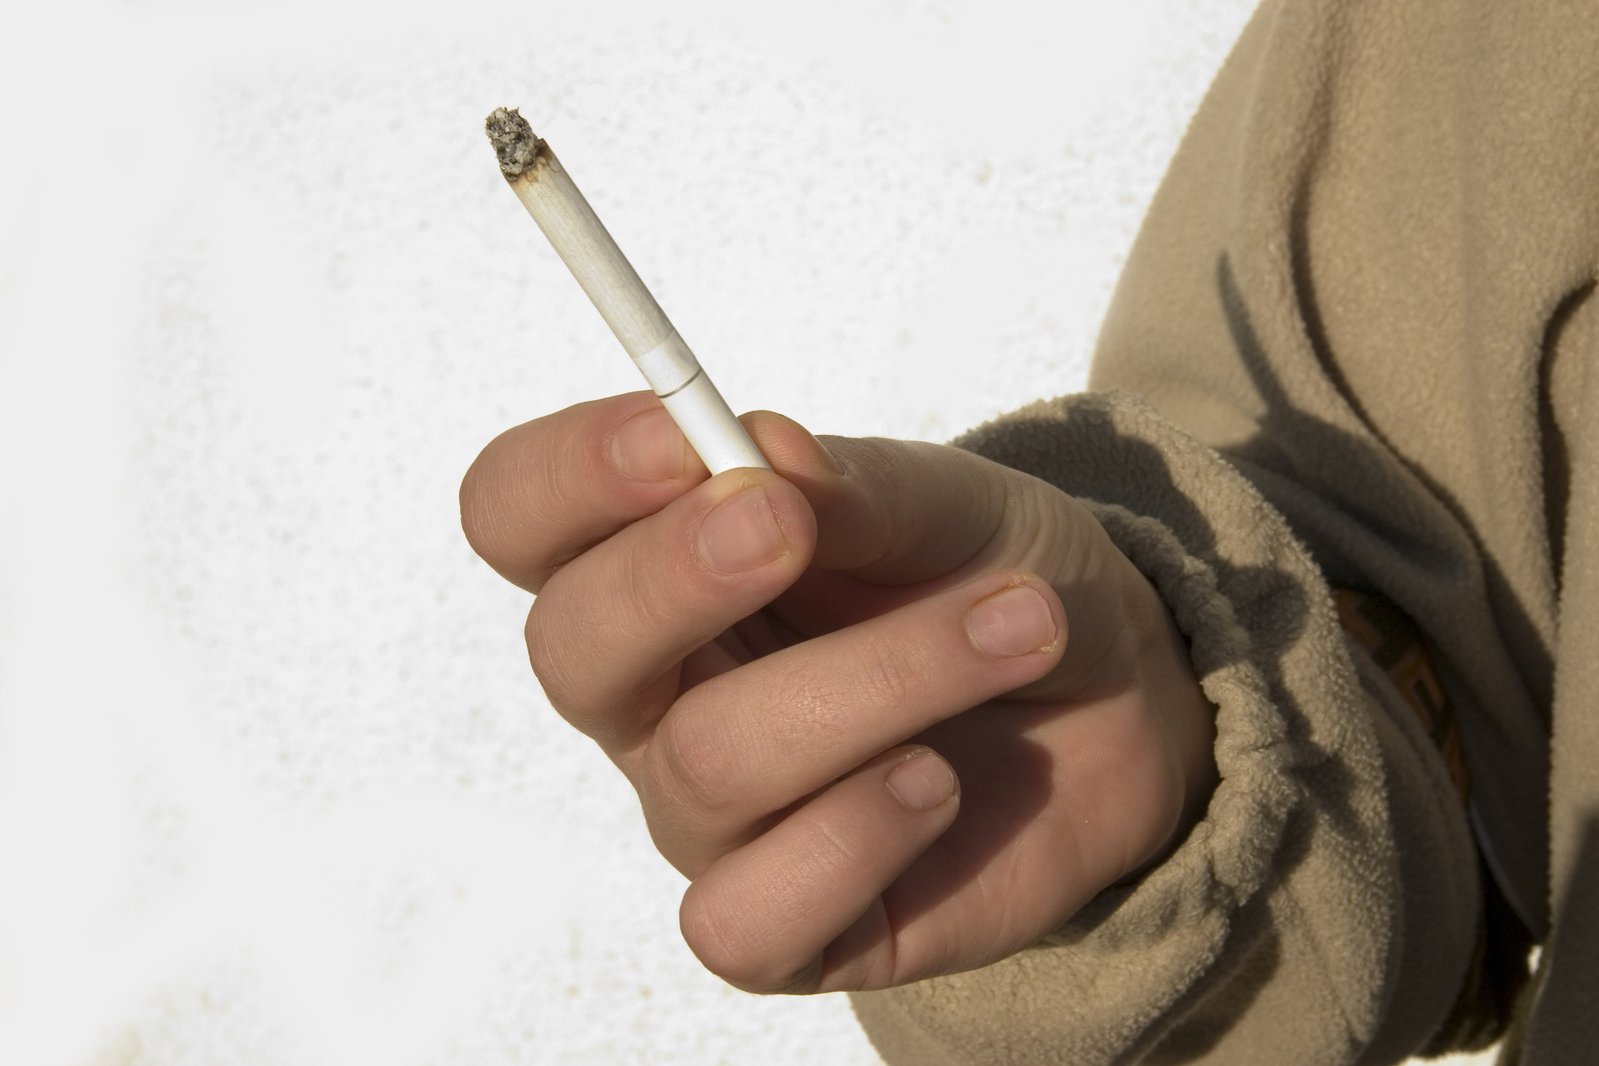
[(575, 231)]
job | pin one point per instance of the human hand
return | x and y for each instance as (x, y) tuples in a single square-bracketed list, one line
[(806, 672)]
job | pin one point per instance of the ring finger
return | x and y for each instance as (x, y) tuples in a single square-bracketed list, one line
[(799, 908)]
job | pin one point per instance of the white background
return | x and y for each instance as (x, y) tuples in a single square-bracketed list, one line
[(276, 786)]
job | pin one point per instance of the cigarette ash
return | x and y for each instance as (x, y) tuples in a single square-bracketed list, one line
[(515, 143)]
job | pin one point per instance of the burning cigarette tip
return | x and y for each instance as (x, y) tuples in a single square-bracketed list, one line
[(515, 143)]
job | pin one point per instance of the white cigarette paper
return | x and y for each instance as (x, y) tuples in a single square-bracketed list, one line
[(579, 238)]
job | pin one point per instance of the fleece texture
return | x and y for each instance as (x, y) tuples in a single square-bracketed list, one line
[(1353, 348)]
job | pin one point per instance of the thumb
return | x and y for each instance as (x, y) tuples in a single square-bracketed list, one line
[(899, 520), (889, 511)]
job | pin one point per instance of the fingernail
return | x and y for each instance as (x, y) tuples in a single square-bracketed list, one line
[(741, 533), (922, 781), (648, 447), (1013, 622)]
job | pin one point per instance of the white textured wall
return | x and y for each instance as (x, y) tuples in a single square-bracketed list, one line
[(276, 786)]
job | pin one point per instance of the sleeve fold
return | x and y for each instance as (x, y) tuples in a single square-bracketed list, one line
[(1317, 912)]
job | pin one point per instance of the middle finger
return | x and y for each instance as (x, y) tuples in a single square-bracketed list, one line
[(620, 618), (749, 743)]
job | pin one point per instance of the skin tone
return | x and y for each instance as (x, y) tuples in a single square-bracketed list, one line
[(895, 710)]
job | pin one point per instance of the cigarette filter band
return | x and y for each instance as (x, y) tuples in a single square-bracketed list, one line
[(694, 403)]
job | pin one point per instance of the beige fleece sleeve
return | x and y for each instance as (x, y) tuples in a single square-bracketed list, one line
[(1317, 913), (1350, 293)]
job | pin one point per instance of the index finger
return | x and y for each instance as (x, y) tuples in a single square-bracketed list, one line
[(545, 491), (899, 512)]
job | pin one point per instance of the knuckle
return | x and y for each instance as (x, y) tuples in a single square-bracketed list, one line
[(475, 497), (1138, 782), (643, 611), (885, 673), (511, 496), (830, 852), (551, 662), (706, 927), (881, 457), (721, 936), (877, 672), (692, 761), (553, 468)]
